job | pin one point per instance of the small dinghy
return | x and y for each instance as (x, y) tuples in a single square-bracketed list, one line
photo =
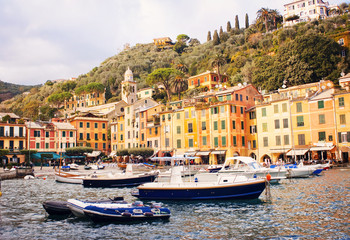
[(119, 211), (56, 207)]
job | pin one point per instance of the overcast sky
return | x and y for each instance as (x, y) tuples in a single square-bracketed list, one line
[(44, 40)]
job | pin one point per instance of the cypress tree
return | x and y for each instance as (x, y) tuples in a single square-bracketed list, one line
[(221, 33), (246, 21), (229, 27), (209, 36), (236, 23), (216, 39)]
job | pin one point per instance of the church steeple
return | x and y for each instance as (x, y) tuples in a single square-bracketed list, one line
[(129, 87)]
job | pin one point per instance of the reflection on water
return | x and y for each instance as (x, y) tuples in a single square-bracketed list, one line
[(313, 208)]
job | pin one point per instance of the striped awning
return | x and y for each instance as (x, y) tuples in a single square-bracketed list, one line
[(218, 152), (203, 153), (321, 148), (297, 152)]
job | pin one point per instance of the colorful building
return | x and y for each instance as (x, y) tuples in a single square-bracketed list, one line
[(207, 80)]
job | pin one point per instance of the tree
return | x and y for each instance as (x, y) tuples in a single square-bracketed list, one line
[(181, 43), (216, 39), (246, 21), (58, 98), (221, 33), (228, 27), (68, 86), (164, 76), (108, 93), (263, 16), (209, 36), (217, 62), (180, 81), (236, 23), (276, 17)]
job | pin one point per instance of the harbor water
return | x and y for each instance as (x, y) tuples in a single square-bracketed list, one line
[(311, 208)]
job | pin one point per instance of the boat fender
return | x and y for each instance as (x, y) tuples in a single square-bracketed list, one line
[(126, 214), (254, 176), (148, 214)]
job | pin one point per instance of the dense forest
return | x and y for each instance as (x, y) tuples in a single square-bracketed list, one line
[(263, 53), (9, 90)]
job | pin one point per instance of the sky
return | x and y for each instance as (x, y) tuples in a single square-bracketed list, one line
[(44, 40)]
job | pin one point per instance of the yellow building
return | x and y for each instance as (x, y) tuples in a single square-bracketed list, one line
[(207, 80)]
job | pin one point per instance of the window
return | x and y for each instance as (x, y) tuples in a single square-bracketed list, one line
[(81, 124), (242, 125), (321, 136), (252, 115), (341, 102), (286, 139), (320, 104), (234, 141), (96, 145), (178, 129), (204, 140), (254, 143), (88, 136), (243, 141), (103, 125), (222, 109), (70, 134), (121, 127), (46, 145), (203, 112), (263, 112), (233, 109), (252, 129), (96, 136), (301, 139), (190, 129), (215, 110), (103, 136), (321, 119), (150, 131), (223, 141), (278, 140), (178, 143), (264, 127), (266, 141), (88, 125), (187, 114), (223, 125), (221, 98), (36, 133), (81, 136), (299, 107), (215, 125), (47, 134), (284, 107), (142, 137), (240, 97), (300, 121), (275, 108), (285, 123), (242, 110), (236, 96), (204, 126), (216, 141), (228, 97), (277, 124), (96, 125), (342, 119), (178, 115), (233, 124), (190, 142)]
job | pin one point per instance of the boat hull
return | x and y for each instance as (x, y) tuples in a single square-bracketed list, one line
[(56, 207), (199, 192), (118, 182), (68, 179), (98, 214)]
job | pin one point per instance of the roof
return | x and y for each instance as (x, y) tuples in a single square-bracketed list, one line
[(12, 115), (65, 126), (323, 95), (34, 125), (206, 73)]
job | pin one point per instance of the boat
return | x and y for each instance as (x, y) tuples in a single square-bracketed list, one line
[(56, 207), (127, 179), (73, 166), (214, 168), (246, 166), (183, 163), (77, 206), (120, 211), (97, 166), (223, 187), (69, 177), (301, 170)]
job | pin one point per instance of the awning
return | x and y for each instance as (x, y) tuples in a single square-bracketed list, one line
[(203, 153), (94, 154), (297, 152), (279, 150), (219, 152), (344, 149), (66, 156), (112, 154), (45, 155), (190, 154), (321, 148)]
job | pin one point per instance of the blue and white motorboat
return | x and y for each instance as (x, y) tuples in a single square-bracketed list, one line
[(302, 171), (120, 211), (223, 187)]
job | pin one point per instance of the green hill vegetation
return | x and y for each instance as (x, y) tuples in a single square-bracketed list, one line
[(264, 54), (9, 90)]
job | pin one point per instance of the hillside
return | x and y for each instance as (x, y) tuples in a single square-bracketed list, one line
[(9, 90), (304, 53)]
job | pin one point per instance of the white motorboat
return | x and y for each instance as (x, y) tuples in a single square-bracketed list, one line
[(301, 170), (246, 166), (69, 177)]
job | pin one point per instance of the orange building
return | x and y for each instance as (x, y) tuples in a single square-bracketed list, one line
[(208, 80), (91, 131), (12, 137)]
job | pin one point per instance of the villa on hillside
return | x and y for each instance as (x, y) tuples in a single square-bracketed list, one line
[(299, 11), (164, 42)]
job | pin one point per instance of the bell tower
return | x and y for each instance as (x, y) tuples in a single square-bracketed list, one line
[(129, 88)]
